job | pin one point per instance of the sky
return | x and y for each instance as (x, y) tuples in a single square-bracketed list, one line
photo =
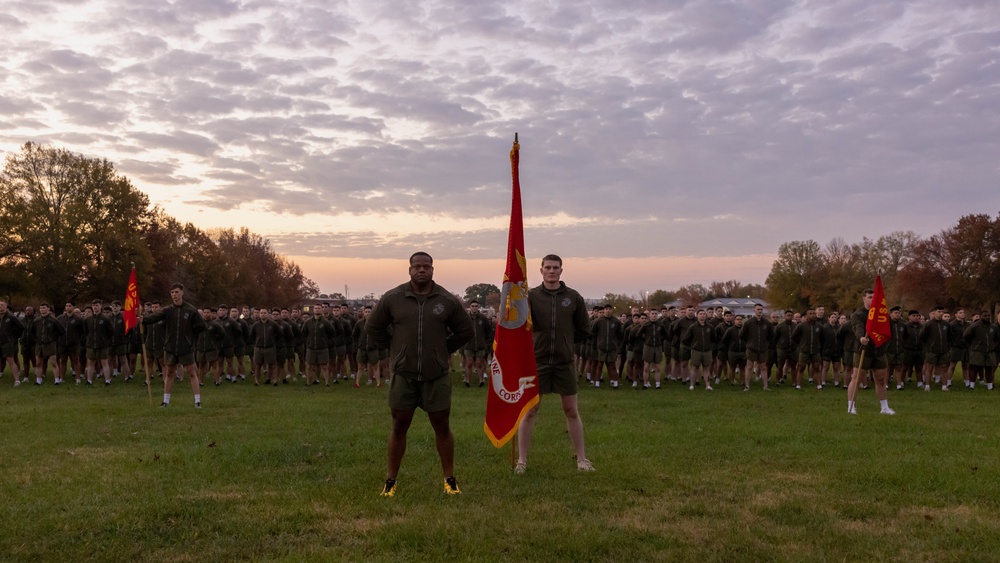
[(662, 142)]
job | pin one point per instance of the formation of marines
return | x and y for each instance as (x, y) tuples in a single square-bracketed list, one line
[(643, 348), (701, 346)]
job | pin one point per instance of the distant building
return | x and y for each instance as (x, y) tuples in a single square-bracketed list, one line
[(737, 305)]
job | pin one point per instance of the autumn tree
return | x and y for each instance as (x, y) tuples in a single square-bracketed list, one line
[(959, 266), (480, 292), (660, 297), (71, 223), (795, 275), (692, 294)]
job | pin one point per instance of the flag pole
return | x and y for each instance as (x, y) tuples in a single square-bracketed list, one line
[(145, 363), (142, 341), (852, 390)]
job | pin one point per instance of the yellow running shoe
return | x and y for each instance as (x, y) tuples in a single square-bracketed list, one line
[(451, 486), (389, 490)]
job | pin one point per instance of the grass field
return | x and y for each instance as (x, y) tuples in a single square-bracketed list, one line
[(293, 473)]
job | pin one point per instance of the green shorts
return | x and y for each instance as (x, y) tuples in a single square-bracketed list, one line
[(557, 378), (372, 356), (783, 356), (340, 351), (8, 350), (701, 358), (807, 358), (206, 356), (848, 358), (959, 355), (873, 361), (45, 351), (756, 356), (737, 359), (606, 357), (685, 353), (318, 356), (174, 359), (667, 350), (894, 358), (652, 354), (265, 356), (936, 358), (980, 359), (119, 350), (98, 353), (432, 395), (470, 353)]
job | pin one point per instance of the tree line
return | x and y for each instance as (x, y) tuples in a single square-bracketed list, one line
[(958, 267), (73, 227)]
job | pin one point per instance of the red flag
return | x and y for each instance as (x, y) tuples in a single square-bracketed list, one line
[(131, 302), (877, 327), (513, 375)]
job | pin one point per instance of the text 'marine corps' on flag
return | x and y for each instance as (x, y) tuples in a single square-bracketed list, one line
[(513, 376)]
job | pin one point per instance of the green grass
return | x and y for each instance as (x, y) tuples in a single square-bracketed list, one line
[(292, 473)]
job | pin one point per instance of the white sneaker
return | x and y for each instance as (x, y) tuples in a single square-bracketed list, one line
[(944, 387), (851, 410), (887, 410), (927, 388), (692, 387), (635, 384), (708, 388), (585, 465), (798, 387), (819, 387), (520, 468)]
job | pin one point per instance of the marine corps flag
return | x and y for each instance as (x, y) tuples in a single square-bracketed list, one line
[(513, 375), (131, 302), (877, 327)]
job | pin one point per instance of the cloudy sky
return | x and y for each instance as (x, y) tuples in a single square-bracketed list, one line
[(663, 142)]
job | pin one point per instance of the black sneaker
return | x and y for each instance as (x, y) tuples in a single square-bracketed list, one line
[(467, 384), (164, 405), (197, 405)]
